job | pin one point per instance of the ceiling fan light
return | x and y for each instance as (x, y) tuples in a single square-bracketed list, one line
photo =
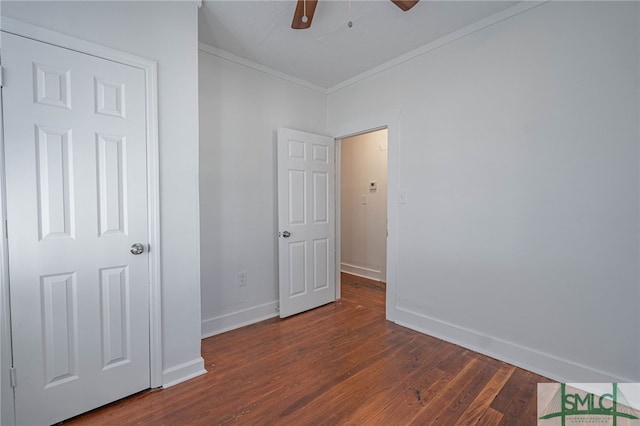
[(305, 19)]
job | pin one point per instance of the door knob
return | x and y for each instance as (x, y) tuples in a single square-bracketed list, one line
[(137, 248), (286, 234)]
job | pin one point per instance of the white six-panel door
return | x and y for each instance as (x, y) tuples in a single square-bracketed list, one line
[(75, 150), (306, 221)]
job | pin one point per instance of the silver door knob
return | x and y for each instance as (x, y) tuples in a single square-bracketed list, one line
[(137, 248), (286, 234)]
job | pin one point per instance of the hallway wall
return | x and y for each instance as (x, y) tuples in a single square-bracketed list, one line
[(363, 210)]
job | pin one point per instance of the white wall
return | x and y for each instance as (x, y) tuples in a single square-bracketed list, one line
[(165, 32), (240, 110), (519, 154), (363, 222)]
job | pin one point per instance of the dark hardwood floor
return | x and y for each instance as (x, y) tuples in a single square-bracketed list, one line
[(342, 363)]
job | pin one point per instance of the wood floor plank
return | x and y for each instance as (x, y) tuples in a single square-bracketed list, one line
[(480, 404), (418, 364), (490, 417), (520, 410), (449, 403), (340, 364)]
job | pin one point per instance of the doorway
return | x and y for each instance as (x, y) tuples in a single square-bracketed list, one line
[(363, 205)]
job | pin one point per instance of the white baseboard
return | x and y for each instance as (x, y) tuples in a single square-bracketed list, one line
[(561, 370), (183, 372), (231, 321), (360, 271)]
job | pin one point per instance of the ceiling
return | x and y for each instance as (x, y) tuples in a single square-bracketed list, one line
[(330, 52)]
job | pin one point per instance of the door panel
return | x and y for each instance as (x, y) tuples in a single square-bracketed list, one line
[(306, 181), (75, 153)]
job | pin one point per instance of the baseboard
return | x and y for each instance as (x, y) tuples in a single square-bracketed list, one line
[(183, 372), (360, 271), (233, 320), (561, 370)]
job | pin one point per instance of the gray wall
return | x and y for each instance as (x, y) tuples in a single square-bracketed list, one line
[(240, 110), (519, 155)]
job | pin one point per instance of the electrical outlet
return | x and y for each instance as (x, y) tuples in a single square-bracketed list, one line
[(242, 278)]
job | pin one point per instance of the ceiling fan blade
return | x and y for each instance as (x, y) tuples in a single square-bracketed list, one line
[(405, 4), (297, 23)]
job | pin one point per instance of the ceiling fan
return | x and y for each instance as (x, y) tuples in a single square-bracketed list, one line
[(305, 9)]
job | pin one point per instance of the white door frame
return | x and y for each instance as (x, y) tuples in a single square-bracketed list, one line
[(7, 408), (153, 200), (389, 120)]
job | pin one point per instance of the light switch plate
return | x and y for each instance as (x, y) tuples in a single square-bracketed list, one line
[(403, 197), (242, 278)]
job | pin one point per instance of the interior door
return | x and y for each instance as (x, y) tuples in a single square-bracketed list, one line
[(75, 150), (306, 221)]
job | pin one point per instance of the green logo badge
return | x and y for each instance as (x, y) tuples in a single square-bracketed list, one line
[(574, 405)]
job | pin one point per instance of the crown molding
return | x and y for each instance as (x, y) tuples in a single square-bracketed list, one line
[(442, 41), (260, 68)]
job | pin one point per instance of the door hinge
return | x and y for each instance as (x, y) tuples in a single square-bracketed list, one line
[(6, 229), (13, 377), (1, 77)]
